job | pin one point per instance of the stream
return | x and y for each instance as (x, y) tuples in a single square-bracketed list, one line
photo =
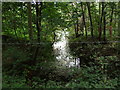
[(62, 51)]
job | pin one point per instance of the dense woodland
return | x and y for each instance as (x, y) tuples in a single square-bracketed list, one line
[(30, 29)]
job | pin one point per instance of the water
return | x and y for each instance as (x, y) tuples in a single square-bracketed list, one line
[(62, 51)]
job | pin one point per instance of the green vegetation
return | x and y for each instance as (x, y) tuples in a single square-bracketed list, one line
[(30, 32)]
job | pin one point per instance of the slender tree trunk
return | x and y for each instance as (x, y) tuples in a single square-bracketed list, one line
[(104, 26), (23, 34), (119, 26), (37, 22), (110, 29), (30, 21), (100, 24), (99, 8), (119, 20), (40, 18), (83, 13), (88, 5), (76, 25), (14, 27), (38, 25), (115, 19), (54, 36), (99, 18), (76, 33), (23, 31), (111, 16), (115, 23), (30, 29)]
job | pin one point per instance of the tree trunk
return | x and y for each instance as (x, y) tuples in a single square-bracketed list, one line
[(83, 13), (37, 22), (38, 25), (119, 26), (15, 28), (99, 8), (23, 31), (40, 18), (119, 20), (76, 31), (76, 25), (115, 23), (111, 16), (104, 25), (30, 21), (88, 5), (110, 28), (54, 36), (100, 24)]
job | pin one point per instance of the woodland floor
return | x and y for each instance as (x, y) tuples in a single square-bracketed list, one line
[(100, 65)]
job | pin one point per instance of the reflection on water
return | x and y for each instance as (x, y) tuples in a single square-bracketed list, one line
[(62, 51)]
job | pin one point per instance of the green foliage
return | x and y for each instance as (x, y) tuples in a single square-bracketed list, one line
[(14, 82), (103, 67), (92, 78), (15, 53), (13, 58), (88, 77)]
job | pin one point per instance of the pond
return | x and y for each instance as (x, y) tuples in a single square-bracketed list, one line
[(62, 51)]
